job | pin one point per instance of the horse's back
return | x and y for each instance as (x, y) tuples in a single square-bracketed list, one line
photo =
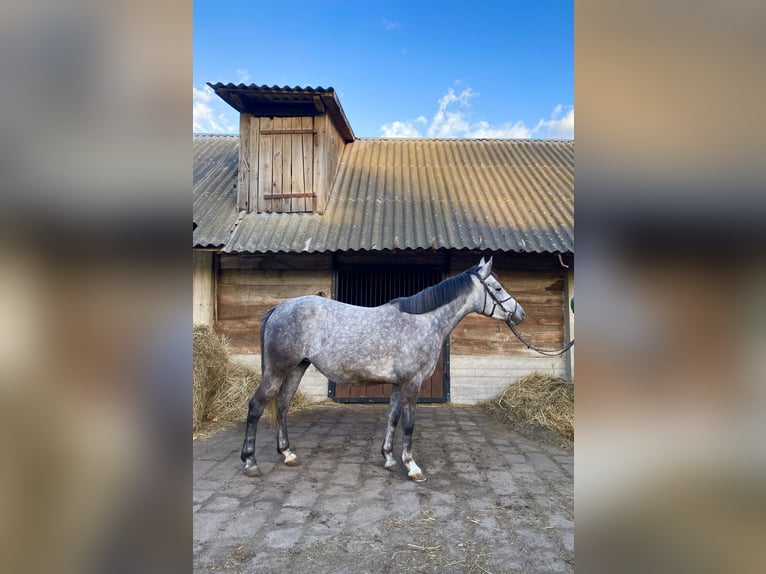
[(310, 326)]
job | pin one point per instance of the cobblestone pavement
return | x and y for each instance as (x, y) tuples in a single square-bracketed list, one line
[(495, 501)]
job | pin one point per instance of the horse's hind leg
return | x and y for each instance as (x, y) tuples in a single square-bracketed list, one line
[(394, 411), (266, 390), (286, 393)]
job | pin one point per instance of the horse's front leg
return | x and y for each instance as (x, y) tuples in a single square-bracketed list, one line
[(394, 411), (408, 427)]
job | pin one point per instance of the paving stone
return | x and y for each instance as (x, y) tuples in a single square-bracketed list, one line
[(282, 538), (223, 504)]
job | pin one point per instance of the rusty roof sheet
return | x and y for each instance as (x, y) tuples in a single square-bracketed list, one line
[(500, 195)]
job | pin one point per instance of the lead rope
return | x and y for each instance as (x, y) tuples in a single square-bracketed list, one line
[(547, 352)]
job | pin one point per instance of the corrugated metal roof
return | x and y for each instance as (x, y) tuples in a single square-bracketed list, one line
[(215, 194), (285, 101), (504, 195)]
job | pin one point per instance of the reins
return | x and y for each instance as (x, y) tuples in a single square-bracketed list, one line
[(510, 323)]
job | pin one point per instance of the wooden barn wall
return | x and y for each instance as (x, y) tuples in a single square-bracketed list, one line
[(326, 160), (485, 356), (249, 285)]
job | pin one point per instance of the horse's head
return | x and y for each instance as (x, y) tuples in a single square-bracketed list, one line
[(498, 303)]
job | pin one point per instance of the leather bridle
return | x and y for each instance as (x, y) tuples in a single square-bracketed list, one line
[(495, 300)]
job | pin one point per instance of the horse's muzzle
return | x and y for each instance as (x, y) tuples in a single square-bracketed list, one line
[(517, 317)]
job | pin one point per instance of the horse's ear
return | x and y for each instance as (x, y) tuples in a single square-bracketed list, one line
[(485, 268)]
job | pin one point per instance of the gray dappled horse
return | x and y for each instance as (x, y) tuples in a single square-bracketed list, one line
[(397, 343)]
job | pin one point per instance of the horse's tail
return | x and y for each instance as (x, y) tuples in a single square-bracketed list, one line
[(270, 412), (264, 320)]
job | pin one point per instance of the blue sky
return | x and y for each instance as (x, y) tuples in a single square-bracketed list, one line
[(400, 68)]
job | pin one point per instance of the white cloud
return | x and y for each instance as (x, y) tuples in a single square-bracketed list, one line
[(206, 117), (399, 129), (389, 25), (453, 120), (558, 127), (507, 130), (243, 75), (448, 124), (408, 129)]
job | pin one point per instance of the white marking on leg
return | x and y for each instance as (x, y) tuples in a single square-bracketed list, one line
[(413, 468), (415, 473), (290, 458), (390, 461)]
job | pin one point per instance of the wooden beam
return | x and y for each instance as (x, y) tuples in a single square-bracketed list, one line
[(243, 174), (203, 288), (287, 195), (289, 132)]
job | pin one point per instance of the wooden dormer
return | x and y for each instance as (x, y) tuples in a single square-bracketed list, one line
[(290, 143)]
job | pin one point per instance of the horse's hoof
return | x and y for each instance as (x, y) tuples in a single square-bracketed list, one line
[(252, 470), (392, 466), (418, 477)]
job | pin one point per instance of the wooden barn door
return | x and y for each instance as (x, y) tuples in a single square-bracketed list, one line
[(373, 285)]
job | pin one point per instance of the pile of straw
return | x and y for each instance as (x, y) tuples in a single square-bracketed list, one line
[(210, 370), (538, 399), (229, 401), (221, 387)]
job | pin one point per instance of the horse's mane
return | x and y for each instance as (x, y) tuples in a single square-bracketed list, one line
[(440, 294)]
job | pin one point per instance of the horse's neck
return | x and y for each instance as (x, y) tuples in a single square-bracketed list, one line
[(448, 316)]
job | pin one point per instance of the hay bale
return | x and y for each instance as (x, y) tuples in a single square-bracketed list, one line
[(538, 399), (221, 387)]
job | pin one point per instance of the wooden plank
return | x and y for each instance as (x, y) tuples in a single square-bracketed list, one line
[(265, 161), (277, 261), (287, 165), (232, 315), (271, 294), (297, 189), (255, 139), (243, 175), (321, 280), (307, 149), (277, 182), (335, 149), (203, 288), (321, 182)]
